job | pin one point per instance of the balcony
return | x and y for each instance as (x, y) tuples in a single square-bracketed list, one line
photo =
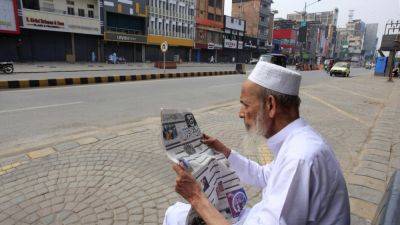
[(125, 31), (64, 12)]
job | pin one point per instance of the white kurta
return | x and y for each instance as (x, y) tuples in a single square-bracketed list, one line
[(303, 185)]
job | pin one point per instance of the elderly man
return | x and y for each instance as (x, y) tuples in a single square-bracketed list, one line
[(303, 185)]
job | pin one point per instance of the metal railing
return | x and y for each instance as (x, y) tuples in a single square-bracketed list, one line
[(125, 30)]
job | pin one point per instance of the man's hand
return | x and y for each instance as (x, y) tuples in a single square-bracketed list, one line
[(186, 185), (189, 189), (216, 145)]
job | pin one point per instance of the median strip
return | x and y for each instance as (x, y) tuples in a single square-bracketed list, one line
[(15, 84)]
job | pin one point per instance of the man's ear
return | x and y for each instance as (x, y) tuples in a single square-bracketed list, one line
[(271, 106)]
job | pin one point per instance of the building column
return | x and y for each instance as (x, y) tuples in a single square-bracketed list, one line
[(143, 53)]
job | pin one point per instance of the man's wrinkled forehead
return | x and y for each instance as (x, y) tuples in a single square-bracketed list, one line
[(250, 88)]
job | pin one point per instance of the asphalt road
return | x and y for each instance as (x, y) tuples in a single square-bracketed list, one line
[(33, 115)]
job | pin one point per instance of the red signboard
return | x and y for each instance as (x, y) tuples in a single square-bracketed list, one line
[(209, 23), (9, 17), (284, 34)]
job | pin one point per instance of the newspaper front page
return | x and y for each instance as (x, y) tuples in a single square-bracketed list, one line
[(181, 138)]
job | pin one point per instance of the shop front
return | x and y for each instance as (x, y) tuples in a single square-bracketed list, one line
[(179, 49)]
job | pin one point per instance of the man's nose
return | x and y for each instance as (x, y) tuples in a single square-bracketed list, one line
[(241, 113)]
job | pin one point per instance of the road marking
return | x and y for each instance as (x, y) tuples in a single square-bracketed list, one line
[(7, 168), (225, 85), (39, 107), (335, 108), (380, 101)]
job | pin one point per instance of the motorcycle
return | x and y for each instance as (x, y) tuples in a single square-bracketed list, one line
[(6, 67)]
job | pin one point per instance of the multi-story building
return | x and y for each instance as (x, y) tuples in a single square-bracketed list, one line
[(234, 29), (257, 14), (171, 21), (318, 34), (209, 29), (55, 30), (356, 29), (370, 40), (342, 44), (285, 37), (125, 30)]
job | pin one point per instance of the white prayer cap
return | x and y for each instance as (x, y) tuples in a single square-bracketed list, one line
[(276, 78)]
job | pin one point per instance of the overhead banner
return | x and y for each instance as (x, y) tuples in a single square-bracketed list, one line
[(8, 17), (40, 20)]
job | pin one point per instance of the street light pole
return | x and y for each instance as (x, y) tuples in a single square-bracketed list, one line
[(304, 15)]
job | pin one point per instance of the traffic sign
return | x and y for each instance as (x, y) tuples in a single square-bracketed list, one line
[(164, 46)]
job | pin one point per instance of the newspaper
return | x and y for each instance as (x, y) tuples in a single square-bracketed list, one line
[(181, 138)]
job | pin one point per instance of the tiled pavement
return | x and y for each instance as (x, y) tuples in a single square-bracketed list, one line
[(124, 177)]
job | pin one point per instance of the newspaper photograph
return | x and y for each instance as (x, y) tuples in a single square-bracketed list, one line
[(181, 137)]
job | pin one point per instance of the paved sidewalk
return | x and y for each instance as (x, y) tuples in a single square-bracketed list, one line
[(123, 176)]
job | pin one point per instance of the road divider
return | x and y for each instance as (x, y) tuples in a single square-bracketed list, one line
[(14, 84)]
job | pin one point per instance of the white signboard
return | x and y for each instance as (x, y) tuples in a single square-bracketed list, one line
[(230, 44), (240, 44), (8, 21), (41, 20)]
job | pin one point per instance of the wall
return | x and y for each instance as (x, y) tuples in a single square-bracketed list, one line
[(249, 13)]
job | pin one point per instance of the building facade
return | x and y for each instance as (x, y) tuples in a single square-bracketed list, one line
[(55, 30), (370, 40), (125, 29), (285, 38), (257, 14), (209, 30), (317, 34), (234, 29), (171, 21), (356, 30)]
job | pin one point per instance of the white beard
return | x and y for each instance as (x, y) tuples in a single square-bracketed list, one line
[(254, 140)]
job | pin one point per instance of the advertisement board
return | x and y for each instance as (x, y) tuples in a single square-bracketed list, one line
[(42, 20), (8, 17), (230, 43)]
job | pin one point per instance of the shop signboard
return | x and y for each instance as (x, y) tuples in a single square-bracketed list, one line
[(121, 37), (230, 44), (8, 17), (41, 20), (240, 44)]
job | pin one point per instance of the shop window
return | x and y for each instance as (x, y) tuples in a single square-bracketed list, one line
[(218, 4), (90, 13), (81, 12), (71, 11), (31, 4)]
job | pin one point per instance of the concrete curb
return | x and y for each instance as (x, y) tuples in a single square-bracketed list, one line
[(94, 69), (15, 84)]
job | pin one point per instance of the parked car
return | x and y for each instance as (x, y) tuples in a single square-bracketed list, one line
[(277, 59), (341, 68), (253, 61)]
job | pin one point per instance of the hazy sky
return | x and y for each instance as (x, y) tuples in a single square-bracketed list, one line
[(370, 11)]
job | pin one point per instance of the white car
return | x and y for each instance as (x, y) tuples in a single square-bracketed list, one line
[(253, 61)]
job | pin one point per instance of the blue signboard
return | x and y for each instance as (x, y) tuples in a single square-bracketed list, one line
[(380, 65)]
